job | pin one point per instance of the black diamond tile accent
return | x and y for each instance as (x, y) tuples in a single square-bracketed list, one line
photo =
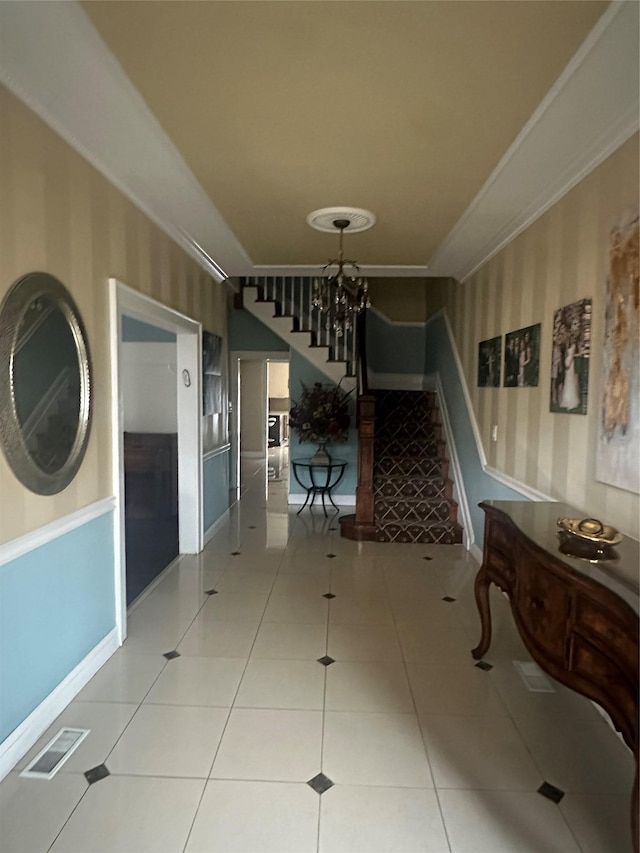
[(427, 558), (320, 783), (171, 655), (236, 553), (96, 773), (551, 792), (331, 556), (328, 595), (326, 660), (211, 592), (482, 664), (333, 528), (252, 527), (448, 599)]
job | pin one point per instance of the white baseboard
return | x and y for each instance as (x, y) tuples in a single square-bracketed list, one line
[(296, 499), (476, 552), (20, 741), (210, 532), (456, 470)]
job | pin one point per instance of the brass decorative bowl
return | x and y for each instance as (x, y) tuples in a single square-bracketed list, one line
[(590, 530)]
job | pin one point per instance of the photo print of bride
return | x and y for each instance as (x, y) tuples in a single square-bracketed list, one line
[(522, 358), (570, 358)]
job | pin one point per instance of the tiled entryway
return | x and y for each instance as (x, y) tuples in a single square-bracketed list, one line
[(369, 692)]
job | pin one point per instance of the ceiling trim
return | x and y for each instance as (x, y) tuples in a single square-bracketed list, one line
[(371, 270), (588, 113), (77, 87)]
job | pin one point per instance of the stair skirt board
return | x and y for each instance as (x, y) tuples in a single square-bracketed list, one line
[(413, 495)]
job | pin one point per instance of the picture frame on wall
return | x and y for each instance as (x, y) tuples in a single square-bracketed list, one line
[(522, 357), (211, 373), (489, 361), (570, 352), (618, 442)]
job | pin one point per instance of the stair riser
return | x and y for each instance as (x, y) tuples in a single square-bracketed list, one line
[(399, 449), (420, 468), (413, 488), (399, 511), (434, 534), (410, 432)]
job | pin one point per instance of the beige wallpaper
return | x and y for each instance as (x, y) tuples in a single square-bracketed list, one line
[(559, 259), (59, 215)]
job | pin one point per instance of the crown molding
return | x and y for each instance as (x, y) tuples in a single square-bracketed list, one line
[(577, 125), (370, 270), (588, 113), (59, 79)]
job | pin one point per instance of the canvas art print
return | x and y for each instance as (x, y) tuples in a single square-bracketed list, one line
[(522, 357), (211, 373), (489, 357), (570, 358), (618, 447)]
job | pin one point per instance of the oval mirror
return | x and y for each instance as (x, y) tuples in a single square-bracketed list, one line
[(45, 388)]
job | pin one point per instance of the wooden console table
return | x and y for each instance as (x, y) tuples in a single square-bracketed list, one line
[(579, 620)]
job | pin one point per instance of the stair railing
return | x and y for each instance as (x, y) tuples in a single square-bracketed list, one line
[(365, 421), (293, 297)]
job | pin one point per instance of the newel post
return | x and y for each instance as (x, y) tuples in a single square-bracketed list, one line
[(361, 526), (366, 436)]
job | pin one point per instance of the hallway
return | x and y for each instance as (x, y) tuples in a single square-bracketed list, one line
[(217, 712)]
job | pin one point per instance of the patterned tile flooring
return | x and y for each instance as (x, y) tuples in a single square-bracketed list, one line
[(290, 720)]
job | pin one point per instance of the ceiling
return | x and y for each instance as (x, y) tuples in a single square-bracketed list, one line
[(455, 122)]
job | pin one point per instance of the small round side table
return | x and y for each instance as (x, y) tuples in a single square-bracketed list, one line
[(318, 478)]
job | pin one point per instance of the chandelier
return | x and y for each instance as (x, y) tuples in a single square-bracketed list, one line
[(340, 293)]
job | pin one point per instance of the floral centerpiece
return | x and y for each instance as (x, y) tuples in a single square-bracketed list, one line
[(321, 415)]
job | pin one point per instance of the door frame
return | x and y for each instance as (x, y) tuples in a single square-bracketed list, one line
[(126, 300), (235, 357)]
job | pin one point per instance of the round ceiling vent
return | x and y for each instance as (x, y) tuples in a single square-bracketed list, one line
[(324, 219)]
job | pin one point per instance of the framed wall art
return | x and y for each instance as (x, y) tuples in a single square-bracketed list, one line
[(522, 358), (618, 443), (570, 353), (489, 359), (211, 373)]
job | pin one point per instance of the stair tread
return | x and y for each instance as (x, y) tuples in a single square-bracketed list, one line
[(411, 500)]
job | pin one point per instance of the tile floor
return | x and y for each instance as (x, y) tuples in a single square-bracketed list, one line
[(415, 748)]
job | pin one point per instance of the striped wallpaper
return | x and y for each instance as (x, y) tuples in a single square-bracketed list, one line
[(560, 258), (59, 215)]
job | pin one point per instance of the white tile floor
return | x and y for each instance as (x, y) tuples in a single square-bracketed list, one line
[(212, 751)]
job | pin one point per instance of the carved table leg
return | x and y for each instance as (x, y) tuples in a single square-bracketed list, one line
[(483, 581)]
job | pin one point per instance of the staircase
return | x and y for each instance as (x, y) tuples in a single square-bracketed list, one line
[(413, 495), (284, 305), (408, 496)]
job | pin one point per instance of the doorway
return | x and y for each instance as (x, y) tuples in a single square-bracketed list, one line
[(186, 382), (255, 391), (148, 371)]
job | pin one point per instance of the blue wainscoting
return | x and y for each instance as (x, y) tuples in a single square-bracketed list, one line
[(57, 602), (216, 485), (394, 347)]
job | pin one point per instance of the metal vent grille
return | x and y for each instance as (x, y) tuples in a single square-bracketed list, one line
[(50, 759), (534, 678)]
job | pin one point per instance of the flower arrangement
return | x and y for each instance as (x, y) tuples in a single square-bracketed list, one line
[(321, 414)]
